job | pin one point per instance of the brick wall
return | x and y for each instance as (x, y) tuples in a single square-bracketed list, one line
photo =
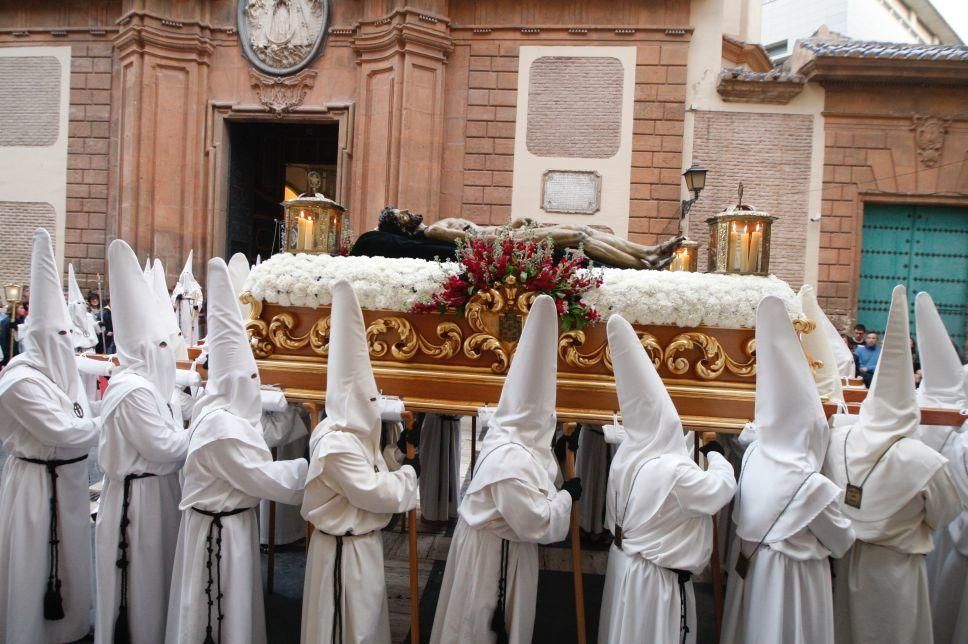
[(656, 146), (20, 220), (87, 159), (770, 154)]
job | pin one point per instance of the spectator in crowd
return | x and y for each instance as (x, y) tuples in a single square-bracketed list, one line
[(105, 330), (867, 355), (917, 362), (860, 331)]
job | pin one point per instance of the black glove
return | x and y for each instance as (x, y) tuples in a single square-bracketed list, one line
[(566, 442), (572, 487), (411, 435), (712, 446), (414, 463)]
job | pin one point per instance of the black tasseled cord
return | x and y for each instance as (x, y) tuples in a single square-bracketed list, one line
[(122, 629), (338, 593), (498, 621), (53, 601), (683, 577)]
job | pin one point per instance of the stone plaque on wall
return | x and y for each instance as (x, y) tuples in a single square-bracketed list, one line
[(281, 37), (575, 107), (29, 100), (571, 191)]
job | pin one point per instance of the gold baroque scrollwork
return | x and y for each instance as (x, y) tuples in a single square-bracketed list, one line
[(410, 341), (569, 344), (714, 358), (258, 330), (482, 305), (280, 331)]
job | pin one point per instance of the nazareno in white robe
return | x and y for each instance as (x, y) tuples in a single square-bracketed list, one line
[(38, 422), (350, 497), (139, 436), (440, 467), (948, 563), (641, 601), (881, 585), (786, 596), (518, 510), (228, 468), (511, 497)]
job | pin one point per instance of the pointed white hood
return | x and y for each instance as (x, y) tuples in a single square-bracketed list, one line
[(352, 397), (239, 273), (525, 414), (844, 357), (943, 381), (792, 436), (147, 271), (233, 377), (652, 427), (82, 322), (158, 281), (890, 410), (47, 344), (140, 334), (817, 345)]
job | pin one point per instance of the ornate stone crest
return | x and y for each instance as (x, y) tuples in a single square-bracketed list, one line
[(282, 94), (280, 37), (929, 132)]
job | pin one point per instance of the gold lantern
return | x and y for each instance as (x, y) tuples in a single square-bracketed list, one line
[(314, 223), (686, 257), (739, 240)]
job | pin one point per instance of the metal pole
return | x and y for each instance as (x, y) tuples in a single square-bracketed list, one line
[(100, 314)]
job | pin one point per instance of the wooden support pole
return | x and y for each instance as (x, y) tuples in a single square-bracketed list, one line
[(569, 466), (408, 419)]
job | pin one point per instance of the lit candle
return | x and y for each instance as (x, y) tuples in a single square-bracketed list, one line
[(735, 250), (305, 233), (685, 265), (676, 264), (755, 241), (745, 250)]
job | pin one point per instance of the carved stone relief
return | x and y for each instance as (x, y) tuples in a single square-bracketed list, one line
[(282, 36), (283, 94), (929, 133)]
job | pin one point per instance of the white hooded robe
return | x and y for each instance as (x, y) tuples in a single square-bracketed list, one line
[(511, 497), (350, 494), (139, 436), (880, 586), (663, 502), (44, 416), (787, 517), (228, 469)]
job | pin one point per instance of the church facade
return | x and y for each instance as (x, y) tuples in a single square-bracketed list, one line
[(181, 125)]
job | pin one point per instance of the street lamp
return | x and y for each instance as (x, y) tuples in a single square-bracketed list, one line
[(695, 178), (13, 293)]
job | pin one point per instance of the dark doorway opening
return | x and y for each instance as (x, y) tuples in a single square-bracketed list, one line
[(268, 164)]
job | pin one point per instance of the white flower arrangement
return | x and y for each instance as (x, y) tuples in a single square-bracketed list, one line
[(644, 297)]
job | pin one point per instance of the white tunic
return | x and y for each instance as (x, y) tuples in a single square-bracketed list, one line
[(786, 596), (678, 536), (139, 435), (948, 562), (38, 421), (228, 468), (509, 509), (349, 492), (881, 585)]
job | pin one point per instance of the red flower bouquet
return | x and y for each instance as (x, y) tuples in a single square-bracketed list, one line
[(530, 261)]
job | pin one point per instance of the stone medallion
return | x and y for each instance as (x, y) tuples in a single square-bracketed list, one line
[(280, 37)]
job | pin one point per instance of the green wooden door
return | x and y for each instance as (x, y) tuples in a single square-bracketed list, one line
[(925, 248)]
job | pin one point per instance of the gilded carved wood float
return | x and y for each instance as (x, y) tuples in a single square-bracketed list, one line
[(456, 363)]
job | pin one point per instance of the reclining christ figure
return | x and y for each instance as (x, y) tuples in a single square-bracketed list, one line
[(603, 247)]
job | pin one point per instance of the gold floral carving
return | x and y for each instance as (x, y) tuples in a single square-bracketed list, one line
[(410, 341), (714, 358), (570, 343), (258, 330), (280, 330)]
